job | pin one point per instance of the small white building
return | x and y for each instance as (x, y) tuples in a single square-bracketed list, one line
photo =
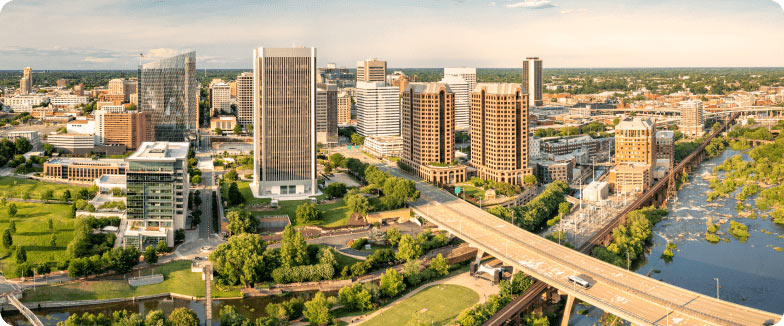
[(384, 146), (81, 126), (596, 191)]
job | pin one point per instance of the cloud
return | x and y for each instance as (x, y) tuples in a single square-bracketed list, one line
[(3, 3), (574, 11), (533, 4), (161, 53), (98, 60), (780, 3)]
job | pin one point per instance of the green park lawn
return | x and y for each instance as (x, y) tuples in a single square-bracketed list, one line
[(177, 276), (334, 214), (12, 187), (33, 233), (431, 305), (473, 191), (244, 188)]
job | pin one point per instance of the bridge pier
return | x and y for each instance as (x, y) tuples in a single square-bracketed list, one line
[(567, 310), (479, 254)]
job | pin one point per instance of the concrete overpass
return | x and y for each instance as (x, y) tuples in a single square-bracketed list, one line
[(633, 297)]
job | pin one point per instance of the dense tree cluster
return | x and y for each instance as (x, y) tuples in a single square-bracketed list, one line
[(241, 221), (533, 215), (481, 312), (630, 239), (178, 317)]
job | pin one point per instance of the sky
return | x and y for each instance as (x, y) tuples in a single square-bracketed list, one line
[(110, 34)]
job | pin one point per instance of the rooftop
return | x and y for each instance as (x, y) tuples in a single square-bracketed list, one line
[(161, 151), (428, 88), (499, 88), (634, 123), (86, 161), (111, 179)]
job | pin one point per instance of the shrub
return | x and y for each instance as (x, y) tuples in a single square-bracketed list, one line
[(358, 244)]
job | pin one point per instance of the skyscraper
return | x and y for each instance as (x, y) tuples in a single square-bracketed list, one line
[(168, 90), (130, 128), (468, 74), (635, 155), (532, 80), (327, 114), (284, 128), (428, 131), (26, 84), (344, 108), (220, 97), (460, 87), (692, 118), (378, 109), (245, 99), (371, 70), (499, 132)]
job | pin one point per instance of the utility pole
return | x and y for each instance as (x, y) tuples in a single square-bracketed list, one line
[(717, 287)]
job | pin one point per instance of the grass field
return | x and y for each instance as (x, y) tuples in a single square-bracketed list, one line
[(177, 277), (473, 191), (32, 232), (244, 188), (334, 213), (431, 304), (12, 187)]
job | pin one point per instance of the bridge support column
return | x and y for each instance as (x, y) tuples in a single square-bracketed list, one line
[(567, 310), (479, 254)]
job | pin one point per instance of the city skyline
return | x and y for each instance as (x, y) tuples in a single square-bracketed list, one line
[(611, 34)]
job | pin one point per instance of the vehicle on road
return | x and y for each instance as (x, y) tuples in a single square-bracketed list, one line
[(579, 281)]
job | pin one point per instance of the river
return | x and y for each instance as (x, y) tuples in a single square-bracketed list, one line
[(750, 273)]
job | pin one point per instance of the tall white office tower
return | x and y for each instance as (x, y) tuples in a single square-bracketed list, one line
[(460, 88), (468, 74), (532, 80)]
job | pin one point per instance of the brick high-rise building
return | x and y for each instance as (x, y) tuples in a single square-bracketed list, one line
[(692, 118), (499, 132), (344, 108), (428, 131), (26, 83), (532, 80), (284, 116), (635, 155), (371, 70), (245, 99), (131, 128)]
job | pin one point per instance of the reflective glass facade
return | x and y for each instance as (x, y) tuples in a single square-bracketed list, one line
[(168, 90)]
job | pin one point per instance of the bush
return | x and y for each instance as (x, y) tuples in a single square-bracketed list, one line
[(296, 274), (392, 283), (358, 244), (358, 296)]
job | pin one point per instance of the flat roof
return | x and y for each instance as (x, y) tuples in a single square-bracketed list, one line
[(161, 151), (113, 179), (79, 160)]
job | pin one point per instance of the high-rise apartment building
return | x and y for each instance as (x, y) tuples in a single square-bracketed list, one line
[(116, 86), (371, 70), (245, 99), (26, 85), (232, 88), (462, 91), (468, 74), (428, 131), (169, 92), (635, 155), (532, 80), (284, 128), (378, 109), (499, 132), (327, 114), (220, 97), (129, 128), (344, 108), (157, 184), (692, 118)]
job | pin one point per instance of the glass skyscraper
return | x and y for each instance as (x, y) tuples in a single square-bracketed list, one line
[(168, 90)]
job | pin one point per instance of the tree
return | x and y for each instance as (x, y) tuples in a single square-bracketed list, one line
[(12, 210), (8, 240), (218, 131), (48, 149), (357, 204), (440, 265), (392, 283), (12, 227), (530, 180), (237, 129), (183, 317), (337, 159), (150, 255), (564, 208), (53, 241), (20, 254), (195, 217), (161, 246), (234, 195), (48, 194), (293, 249), (22, 145), (241, 259), (398, 191), (356, 296), (335, 190), (196, 179), (393, 236), (307, 213), (72, 213), (408, 248), (241, 221), (231, 175), (317, 310)]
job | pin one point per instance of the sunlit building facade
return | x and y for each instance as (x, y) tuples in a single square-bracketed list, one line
[(169, 92)]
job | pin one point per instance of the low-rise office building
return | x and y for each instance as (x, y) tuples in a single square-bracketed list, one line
[(82, 169), (630, 177), (32, 136), (548, 171), (67, 101), (225, 122), (384, 146), (72, 143)]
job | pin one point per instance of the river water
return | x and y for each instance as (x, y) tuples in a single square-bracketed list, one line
[(750, 273)]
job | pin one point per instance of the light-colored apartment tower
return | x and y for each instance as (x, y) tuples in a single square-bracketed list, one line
[(462, 91), (129, 128), (158, 184), (428, 131), (245, 99), (371, 70), (327, 114), (532, 80), (468, 74), (116, 86), (284, 128), (692, 118), (344, 108), (499, 132), (635, 155), (26, 83), (220, 97), (378, 109)]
